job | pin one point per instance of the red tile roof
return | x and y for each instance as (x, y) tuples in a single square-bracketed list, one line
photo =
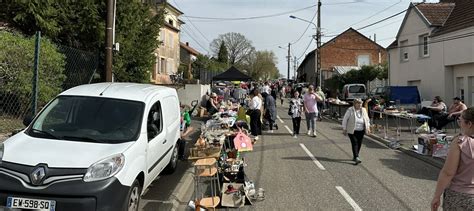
[(461, 17), (435, 13), (189, 49)]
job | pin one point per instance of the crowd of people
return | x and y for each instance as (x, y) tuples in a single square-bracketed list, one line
[(259, 102)]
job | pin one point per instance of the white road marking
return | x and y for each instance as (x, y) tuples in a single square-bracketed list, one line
[(348, 198), (289, 130), (278, 117), (320, 166)]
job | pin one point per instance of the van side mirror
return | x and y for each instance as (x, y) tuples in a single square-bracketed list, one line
[(27, 120)]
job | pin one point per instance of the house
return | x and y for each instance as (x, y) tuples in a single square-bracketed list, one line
[(187, 56), (434, 50), (168, 53), (349, 50)]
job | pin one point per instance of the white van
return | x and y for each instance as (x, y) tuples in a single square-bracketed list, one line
[(93, 147), (353, 91)]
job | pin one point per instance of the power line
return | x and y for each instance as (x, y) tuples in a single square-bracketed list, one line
[(469, 34), (251, 17), (199, 31), (387, 18), (307, 27), (196, 41), (304, 52)]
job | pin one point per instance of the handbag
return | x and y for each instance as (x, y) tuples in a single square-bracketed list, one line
[(242, 142)]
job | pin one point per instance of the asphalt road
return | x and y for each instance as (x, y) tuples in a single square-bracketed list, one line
[(385, 180), (318, 174)]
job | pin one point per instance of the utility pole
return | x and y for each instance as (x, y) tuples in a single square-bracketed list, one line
[(289, 58), (318, 46), (109, 40), (295, 66)]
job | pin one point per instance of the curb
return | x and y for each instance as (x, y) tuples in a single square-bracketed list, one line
[(436, 162)]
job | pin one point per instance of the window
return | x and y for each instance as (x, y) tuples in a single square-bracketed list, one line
[(171, 40), (363, 60), (154, 121), (89, 119), (162, 66), (170, 22), (404, 51), (460, 87), (162, 37), (169, 67), (424, 46)]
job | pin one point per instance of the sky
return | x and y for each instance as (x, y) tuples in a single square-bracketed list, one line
[(274, 33)]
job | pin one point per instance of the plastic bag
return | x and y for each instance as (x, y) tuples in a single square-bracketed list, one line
[(424, 128)]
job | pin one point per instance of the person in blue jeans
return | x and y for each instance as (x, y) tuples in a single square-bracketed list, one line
[(310, 100)]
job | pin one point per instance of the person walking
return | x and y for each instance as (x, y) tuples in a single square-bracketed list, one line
[(255, 114), (310, 100), (282, 94), (456, 179), (296, 107), (355, 124), (321, 104), (270, 111)]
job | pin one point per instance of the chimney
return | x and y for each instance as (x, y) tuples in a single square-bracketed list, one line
[(187, 43)]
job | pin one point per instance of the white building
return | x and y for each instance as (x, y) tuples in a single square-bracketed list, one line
[(434, 50)]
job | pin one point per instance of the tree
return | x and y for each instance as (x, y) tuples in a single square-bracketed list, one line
[(237, 45), (16, 68), (261, 65), (223, 54), (205, 63), (137, 32), (81, 24), (78, 24), (363, 75)]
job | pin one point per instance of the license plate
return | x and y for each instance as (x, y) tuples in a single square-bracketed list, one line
[(31, 204)]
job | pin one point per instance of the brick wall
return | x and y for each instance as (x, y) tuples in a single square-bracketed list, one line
[(345, 49)]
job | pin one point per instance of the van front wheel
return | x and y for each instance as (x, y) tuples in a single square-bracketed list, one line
[(134, 196)]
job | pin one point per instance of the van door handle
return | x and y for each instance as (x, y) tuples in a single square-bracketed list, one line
[(164, 142)]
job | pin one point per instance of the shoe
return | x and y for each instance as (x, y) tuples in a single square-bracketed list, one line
[(256, 138), (276, 127), (357, 160), (270, 131), (295, 136), (314, 134), (309, 133)]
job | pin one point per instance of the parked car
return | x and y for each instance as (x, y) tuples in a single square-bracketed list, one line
[(353, 91), (93, 147), (378, 92)]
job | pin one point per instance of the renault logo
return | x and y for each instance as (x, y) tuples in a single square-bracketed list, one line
[(37, 175)]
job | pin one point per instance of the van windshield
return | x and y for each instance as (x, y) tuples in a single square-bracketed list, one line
[(89, 119), (356, 89)]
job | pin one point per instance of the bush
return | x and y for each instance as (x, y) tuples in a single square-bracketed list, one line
[(16, 69)]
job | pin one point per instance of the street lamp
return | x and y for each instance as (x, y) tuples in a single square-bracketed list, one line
[(288, 58), (317, 53)]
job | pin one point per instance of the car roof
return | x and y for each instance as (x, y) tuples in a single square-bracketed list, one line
[(126, 91)]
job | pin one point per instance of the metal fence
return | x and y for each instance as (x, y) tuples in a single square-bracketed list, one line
[(80, 68), (205, 76)]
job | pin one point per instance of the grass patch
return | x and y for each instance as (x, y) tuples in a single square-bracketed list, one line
[(9, 124)]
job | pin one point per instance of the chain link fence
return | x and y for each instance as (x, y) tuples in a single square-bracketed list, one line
[(79, 68)]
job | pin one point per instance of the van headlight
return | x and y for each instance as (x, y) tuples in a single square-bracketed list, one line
[(105, 168), (2, 149)]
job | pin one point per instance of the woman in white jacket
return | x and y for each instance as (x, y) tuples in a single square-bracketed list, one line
[(356, 123)]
